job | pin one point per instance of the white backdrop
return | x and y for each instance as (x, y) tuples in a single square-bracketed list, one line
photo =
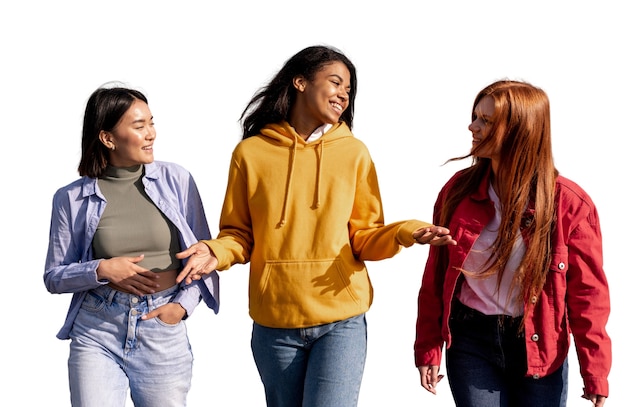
[(419, 67)]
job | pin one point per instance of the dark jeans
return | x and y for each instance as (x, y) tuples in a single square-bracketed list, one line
[(486, 364)]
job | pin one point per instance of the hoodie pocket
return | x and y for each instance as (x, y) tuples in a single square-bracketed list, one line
[(299, 292)]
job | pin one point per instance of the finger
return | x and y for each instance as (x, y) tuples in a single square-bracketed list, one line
[(432, 377), (419, 236), (186, 253), (185, 272), (150, 315), (428, 377), (136, 259), (431, 387), (196, 275), (132, 289), (147, 275), (141, 285), (148, 279), (188, 273), (425, 382), (193, 266), (181, 276)]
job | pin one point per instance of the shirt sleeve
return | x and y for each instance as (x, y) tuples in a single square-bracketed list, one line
[(67, 269)]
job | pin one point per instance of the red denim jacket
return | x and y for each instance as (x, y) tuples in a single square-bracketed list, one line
[(574, 299)]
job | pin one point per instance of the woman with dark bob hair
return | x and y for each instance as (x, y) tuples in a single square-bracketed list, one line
[(303, 206), (526, 272), (114, 236)]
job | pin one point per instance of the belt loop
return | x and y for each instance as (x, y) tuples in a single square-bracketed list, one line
[(111, 296)]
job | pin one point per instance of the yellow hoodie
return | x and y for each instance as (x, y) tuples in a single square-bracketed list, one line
[(306, 217)]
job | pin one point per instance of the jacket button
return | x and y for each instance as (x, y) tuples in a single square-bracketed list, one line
[(534, 338), (535, 376), (528, 222), (533, 299), (561, 266)]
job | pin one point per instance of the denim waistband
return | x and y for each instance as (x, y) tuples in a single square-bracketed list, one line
[(462, 312), (120, 297)]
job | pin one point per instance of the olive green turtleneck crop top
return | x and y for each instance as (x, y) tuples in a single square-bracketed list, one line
[(132, 225)]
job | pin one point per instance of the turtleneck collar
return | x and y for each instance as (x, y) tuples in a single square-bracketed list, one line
[(125, 173)]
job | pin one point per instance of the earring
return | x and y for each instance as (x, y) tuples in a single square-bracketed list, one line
[(113, 147)]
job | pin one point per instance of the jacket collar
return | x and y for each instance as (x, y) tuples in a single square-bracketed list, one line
[(482, 192)]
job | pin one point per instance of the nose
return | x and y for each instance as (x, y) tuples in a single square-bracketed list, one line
[(151, 133), (343, 93), (473, 127)]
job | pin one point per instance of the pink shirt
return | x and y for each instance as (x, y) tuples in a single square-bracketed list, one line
[(483, 294)]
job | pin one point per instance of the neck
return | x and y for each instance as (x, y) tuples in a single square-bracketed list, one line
[(303, 124), (494, 179)]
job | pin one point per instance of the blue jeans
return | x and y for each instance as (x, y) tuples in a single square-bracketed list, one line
[(486, 364), (113, 350), (320, 366)]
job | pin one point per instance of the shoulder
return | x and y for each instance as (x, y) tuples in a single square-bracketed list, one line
[(76, 186), (75, 191), (251, 143), (454, 179), (573, 201), (165, 166), (569, 191), (355, 143), (158, 169), (169, 176), (342, 137)]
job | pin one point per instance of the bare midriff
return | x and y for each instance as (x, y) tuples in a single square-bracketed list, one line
[(166, 280)]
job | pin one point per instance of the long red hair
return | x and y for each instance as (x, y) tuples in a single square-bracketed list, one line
[(526, 174)]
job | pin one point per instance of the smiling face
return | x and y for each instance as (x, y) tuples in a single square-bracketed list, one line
[(321, 100), (130, 142), (482, 145)]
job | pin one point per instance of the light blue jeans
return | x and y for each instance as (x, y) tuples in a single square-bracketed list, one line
[(320, 366), (113, 350)]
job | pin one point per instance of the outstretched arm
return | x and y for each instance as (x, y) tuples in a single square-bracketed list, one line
[(433, 235), (200, 261)]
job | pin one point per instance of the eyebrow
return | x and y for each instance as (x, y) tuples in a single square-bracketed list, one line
[(143, 120)]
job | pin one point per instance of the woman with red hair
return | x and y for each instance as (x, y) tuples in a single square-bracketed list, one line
[(526, 272)]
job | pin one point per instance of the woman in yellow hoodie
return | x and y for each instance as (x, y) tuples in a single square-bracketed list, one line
[(303, 206)]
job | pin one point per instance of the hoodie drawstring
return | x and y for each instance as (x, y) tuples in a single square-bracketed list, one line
[(292, 163), (318, 179), (319, 175)]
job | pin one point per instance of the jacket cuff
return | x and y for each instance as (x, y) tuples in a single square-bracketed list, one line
[(595, 385)]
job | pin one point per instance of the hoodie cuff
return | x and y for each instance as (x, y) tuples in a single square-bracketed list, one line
[(405, 233)]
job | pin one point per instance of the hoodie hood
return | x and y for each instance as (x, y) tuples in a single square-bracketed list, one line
[(284, 134)]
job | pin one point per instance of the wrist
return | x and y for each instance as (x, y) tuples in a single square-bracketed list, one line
[(184, 311)]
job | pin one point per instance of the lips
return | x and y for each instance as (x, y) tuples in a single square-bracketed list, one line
[(337, 107)]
